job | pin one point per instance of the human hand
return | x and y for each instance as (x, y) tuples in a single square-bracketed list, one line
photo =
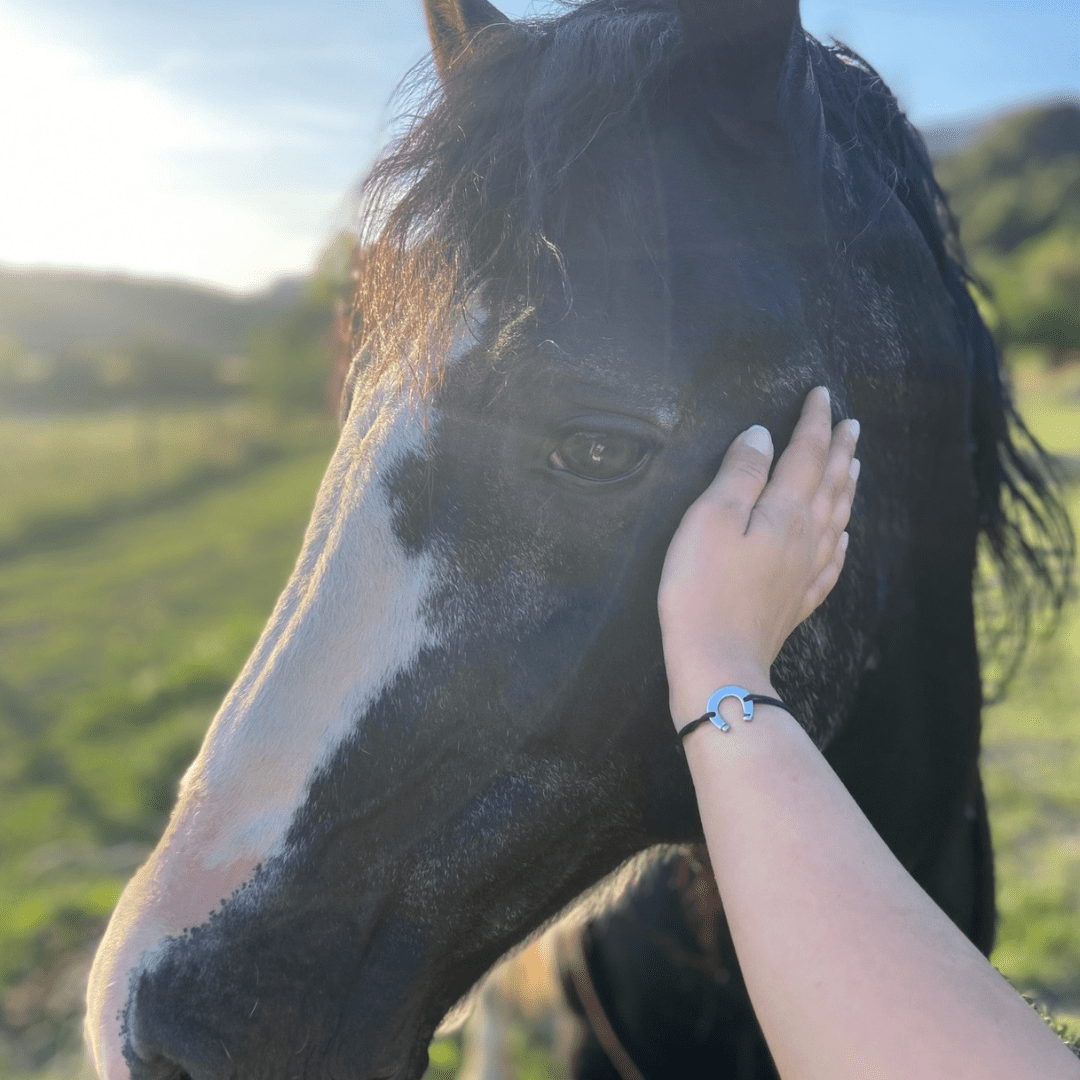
[(755, 556)]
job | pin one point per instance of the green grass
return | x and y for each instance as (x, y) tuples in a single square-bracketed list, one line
[(1031, 762), (118, 638), (1050, 401), (1031, 758), (57, 472)]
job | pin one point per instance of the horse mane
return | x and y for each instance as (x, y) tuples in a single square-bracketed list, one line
[(469, 198), (1029, 546)]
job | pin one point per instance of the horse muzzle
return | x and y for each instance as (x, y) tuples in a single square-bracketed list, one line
[(232, 1017)]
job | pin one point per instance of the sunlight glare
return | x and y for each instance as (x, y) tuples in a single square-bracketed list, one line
[(102, 170)]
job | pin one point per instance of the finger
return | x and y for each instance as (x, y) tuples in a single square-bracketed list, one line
[(799, 471), (837, 477), (825, 581), (743, 475), (839, 512)]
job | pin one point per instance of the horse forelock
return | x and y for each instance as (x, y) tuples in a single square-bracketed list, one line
[(473, 192), (474, 196)]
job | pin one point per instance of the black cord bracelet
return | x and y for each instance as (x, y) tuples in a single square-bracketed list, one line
[(748, 702)]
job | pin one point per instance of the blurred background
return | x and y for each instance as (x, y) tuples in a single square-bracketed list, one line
[(176, 185)]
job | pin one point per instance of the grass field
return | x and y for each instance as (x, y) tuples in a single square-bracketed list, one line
[(1031, 762), (119, 632), (139, 558)]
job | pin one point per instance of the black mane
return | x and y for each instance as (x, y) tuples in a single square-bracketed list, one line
[(1028, 535), (472, 193)]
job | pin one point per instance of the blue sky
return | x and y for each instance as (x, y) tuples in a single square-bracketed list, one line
[(218, 141)]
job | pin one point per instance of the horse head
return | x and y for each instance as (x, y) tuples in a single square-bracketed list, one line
[(613, 240)]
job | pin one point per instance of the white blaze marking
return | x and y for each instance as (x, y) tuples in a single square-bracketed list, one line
[(348, 622)]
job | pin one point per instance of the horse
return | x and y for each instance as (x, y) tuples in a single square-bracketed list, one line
[(606, 242)]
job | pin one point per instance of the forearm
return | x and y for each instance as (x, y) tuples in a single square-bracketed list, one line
[(853, 970)]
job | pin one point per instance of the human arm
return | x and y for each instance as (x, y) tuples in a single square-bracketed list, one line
[(852, 968)]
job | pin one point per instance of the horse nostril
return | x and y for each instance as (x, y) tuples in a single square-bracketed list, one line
[(160, 1069), (180, 1074)]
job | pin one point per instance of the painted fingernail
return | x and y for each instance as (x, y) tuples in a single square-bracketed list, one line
[(759, 438), (854, 468), (856, 428)]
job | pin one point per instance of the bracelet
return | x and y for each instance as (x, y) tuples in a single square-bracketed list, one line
[(748, 702)]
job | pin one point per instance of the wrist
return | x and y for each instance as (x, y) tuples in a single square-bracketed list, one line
[(772, 732), (690, 688)]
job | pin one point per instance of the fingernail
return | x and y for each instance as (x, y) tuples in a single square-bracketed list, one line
[(856, 428), (854, 468), (844, 538), (759, 438), (825, 391)]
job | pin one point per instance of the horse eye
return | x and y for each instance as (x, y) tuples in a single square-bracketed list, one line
[(600, 456)]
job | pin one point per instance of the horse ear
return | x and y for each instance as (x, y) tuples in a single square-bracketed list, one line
[(740, 47), (750, 34), (452, 23), (752, 63)]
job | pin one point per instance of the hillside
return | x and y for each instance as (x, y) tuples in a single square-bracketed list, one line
[(957, 136), (83, 341), (1016, 192), (61, 311)]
